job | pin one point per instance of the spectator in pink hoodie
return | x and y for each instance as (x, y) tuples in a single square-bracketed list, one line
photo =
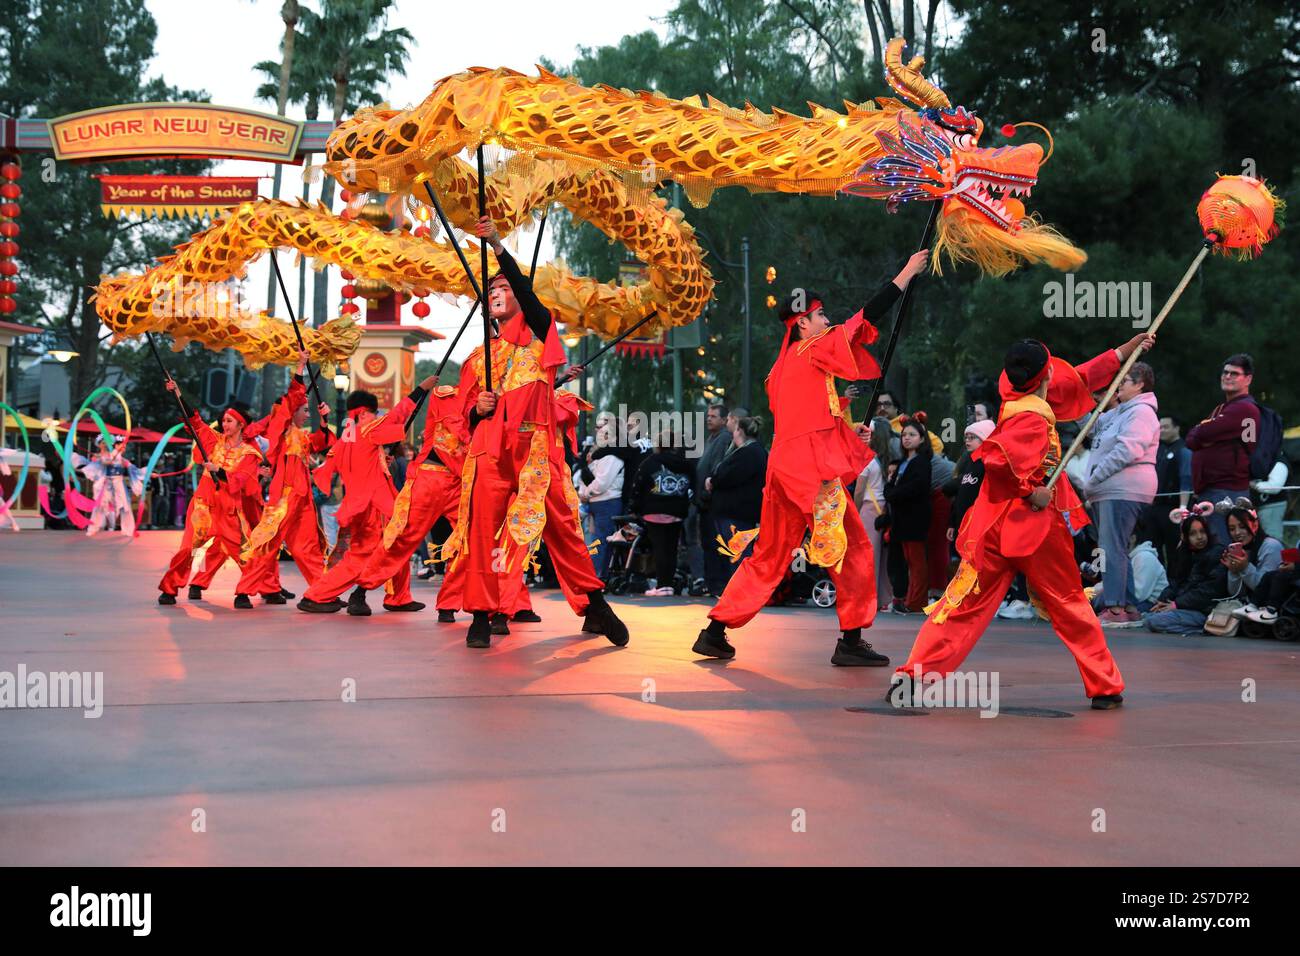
[(1121, 484)]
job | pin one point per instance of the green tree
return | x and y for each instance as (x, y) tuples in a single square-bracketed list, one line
[(348, 50), (61, 56)]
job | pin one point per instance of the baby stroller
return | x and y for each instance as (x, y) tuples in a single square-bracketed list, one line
[(630, 563), (804, 582)]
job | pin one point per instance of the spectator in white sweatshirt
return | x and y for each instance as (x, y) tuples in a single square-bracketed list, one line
[(600, 488), (1120, 484)]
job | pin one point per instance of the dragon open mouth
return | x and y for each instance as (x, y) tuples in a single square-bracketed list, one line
[(990, 193)]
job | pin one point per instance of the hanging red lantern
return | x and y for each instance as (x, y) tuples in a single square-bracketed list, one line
[(349, 291), (11, 171), (8, 267), (423, 232), (9, 210), (8, 249), (8, 229), (346, 195), (420, 310), (420, 293), (8, 286), (11, 191), (7, 305), (347, 276), (349, 308)]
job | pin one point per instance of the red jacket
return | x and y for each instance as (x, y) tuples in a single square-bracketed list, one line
[(1018, 455), (290, 445), (241, 487), (445, 434), (362, 466)]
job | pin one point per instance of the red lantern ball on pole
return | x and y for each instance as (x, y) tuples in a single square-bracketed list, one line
[(8, 267), (349, 291), (8, 229), (11, 191), (8, 249), (7, 305), (420, 310), (10, 210), (8, 286), (347, 276), (11, 171), (349, 308), (423, 232)]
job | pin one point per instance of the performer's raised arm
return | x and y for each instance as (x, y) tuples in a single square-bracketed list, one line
[(536, 315)]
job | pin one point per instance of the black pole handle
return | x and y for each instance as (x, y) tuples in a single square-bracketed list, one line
[(613, 342), (926, 238), (483, 263), (185, 412), (275, 264)]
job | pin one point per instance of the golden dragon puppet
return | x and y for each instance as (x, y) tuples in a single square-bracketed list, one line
[(599, 152)]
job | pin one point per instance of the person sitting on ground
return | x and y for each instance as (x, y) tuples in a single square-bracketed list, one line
[(1274, 590), (1251, 555), (1196, 583)]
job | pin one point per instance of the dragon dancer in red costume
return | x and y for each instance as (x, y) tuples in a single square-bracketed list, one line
[(816, 451), (289, 517), (227, 504), (1018, 525), (432, 491), (516, 490), (368, 500)]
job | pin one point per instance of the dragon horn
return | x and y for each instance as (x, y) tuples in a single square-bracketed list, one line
[(907, 81)]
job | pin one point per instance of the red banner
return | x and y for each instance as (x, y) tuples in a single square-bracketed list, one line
[(174, 195)]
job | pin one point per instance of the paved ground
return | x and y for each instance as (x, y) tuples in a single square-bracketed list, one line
[(238, 714)]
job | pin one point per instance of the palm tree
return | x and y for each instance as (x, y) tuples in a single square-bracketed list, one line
[(289, 14), (345, 53)]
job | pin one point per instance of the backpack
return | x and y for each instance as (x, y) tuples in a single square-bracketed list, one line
[(1268, 443)]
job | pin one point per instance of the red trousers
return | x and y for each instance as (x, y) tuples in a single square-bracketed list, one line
[(918, 572), (782, 525), (495, 484), (367, 531), (435, 492), (936, 543), (259, 576), (300, 533), (514, 593), (1054, 577)]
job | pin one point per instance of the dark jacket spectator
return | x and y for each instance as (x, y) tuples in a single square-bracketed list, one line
[(663, 484), (1221, 444), (738, 483), (1198, 580), (908, 496)]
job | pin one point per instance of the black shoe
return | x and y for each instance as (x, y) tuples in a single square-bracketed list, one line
[(408, 606), (274, 598), (195, 593), (425, 574), (287, 594), (357, 606), (714, 645), (446, 617), (526, 617), (601, 619), (243, 602), (1108, 702), (320, 607), (500, 624), (857, 653), (165, 598), (480, 632)]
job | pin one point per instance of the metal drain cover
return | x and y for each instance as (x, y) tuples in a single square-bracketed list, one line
[(1033, 712), (887, 711)]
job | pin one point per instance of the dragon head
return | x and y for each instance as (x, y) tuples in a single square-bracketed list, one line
[(933, 154)]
